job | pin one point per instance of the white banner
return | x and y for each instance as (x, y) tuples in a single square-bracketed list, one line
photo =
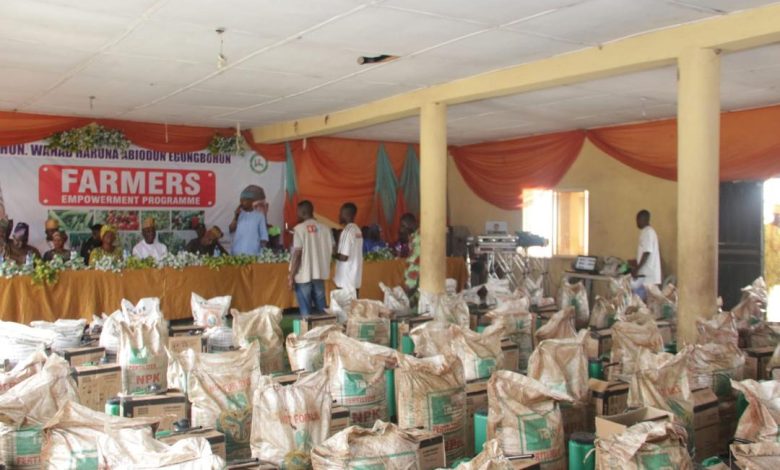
[(106, 186)]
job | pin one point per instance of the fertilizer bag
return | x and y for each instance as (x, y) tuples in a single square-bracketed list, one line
[(262, 326), (305, 352)]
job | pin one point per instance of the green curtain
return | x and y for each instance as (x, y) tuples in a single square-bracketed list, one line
[(410, 181), (386, 187), (291, 181)]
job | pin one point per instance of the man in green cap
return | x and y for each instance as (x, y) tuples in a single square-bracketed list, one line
[(249, 229)]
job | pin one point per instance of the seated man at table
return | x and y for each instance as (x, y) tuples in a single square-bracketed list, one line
[(208, 244), (149, 247), (58, 240), (310, 260), (19, 249)]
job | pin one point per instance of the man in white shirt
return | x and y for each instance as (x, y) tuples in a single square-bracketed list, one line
[(149, 247), (646, 269), (310, 260), (349, 255)]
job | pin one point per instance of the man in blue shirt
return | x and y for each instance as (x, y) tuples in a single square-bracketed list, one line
[(249, 229)]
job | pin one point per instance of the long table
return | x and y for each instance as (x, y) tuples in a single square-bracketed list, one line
[(80, 294)]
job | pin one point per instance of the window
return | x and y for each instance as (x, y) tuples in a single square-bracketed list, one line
[(559, 216)]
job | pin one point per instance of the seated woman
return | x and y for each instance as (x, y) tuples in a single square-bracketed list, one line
[(58, 240), (106, 248)]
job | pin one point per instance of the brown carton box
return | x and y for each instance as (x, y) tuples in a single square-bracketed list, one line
[(302, 324), (665, 330), (708, 443), (185, 330), (407, 323), (727, 413), (608, 398), (251, 464), (288, 379), (609, 425), (339, 419), (177, 344), (756, 362), (215, 439), (705, 408), (524, 463), (167, 407), (96, 384), (430, 453), (511, 355), (598, 343), (476, 399), (576, 418), (85, 355)]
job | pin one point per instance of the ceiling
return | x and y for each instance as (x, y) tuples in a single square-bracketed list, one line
[(156, 60)]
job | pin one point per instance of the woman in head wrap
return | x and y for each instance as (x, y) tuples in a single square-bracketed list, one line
[(19, 248), (58, 240), (106, 248), (249, 229)]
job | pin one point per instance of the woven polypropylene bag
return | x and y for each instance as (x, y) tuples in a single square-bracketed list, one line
[(384, 445), (262, 326), (290, 420), (305, 352), (222, 387)]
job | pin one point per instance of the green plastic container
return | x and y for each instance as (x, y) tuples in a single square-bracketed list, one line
[(712, 462), (742, 404), (671, 348), (390, 390), (112, 406), (580, 455), (394, 334), (480, 429), (460, 461), (595, 369), (481, 328), (407, 345)]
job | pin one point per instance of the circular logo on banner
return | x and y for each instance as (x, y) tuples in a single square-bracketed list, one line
[(258, 163)]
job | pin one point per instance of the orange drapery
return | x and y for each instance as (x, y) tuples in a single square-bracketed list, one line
[(749, 145), (499, 171), (332, 171)]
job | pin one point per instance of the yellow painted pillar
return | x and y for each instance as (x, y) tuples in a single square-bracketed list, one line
[(433, 197), (698, 149)]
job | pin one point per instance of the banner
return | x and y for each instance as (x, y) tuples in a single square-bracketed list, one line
[(177, 190)]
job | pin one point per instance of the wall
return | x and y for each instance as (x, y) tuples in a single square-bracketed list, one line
[(616, 193)]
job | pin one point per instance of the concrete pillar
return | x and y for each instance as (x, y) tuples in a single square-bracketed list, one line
[(433, 197), (698, 149)]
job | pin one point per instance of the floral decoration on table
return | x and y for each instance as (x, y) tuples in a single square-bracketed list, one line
[(379, 254), (48, 272), (90, 137), (233, 145)]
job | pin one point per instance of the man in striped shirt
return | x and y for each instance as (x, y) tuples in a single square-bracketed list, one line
[(349, 254)]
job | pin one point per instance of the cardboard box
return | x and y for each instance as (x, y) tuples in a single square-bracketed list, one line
[(599, 343), (756, 362), (609, 425), (430, 451), (511, 355), (167, 407), (339, 419), (252, 464), (215, 439), (185, 330), (89, 355), (708, 443), (96, 384), (178, 344), (304, 323), (288, 379), (774, 374), (406, 324), (705, 408), (608, 398), (727, 414), (665, 330), (476, 399), (524, 463), (576, 418)]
